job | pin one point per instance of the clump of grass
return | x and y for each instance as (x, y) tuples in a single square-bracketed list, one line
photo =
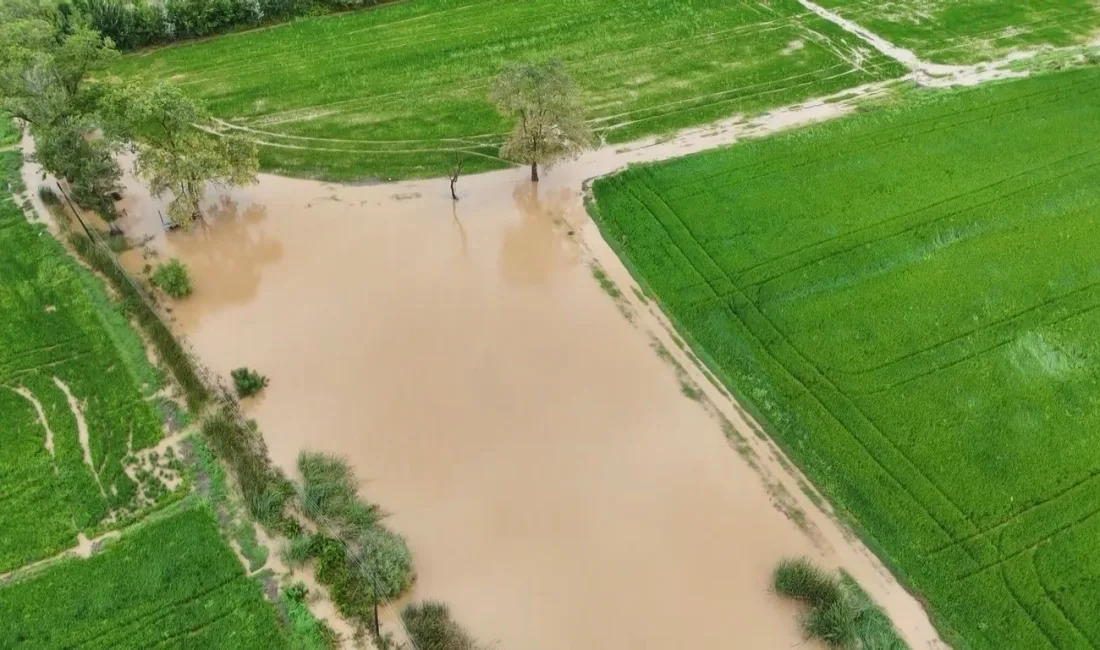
[(48, 196), (385, 562), (300, 550), (431, 627), (840, 615), (358, 559), (247, 381), (608, 286), (800, 579), (173, 279), (833, 623), (330, 493), (264, 488), (307, 632)]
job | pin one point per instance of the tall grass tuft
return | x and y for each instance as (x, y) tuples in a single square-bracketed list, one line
[(800, 579), (840, 614), (431, 627), (330, 492), (834, 623)]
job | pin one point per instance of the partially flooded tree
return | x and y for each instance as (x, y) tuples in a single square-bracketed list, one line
[(456, 170), (174, 152), (546, 106)]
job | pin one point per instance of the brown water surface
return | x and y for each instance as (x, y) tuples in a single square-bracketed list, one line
[(557, 489)]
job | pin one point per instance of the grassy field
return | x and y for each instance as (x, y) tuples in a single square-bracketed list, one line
[(909, 298), (74, 389), (172, 584), (390, 92), (949, 31)]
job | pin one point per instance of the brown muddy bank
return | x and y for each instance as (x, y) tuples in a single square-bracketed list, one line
[(556, 486)]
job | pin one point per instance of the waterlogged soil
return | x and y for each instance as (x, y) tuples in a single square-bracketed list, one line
[(557, 487)]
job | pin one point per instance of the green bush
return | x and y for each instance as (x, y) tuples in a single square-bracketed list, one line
[(248, 382), (800, 579), (330, 494), (132, 24), (48, 196), (300, 549), (172, 278), (431, 627), (307, 632), (385, 561), (267, 506), (833, 623)]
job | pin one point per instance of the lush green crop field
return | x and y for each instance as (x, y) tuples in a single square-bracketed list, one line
[(388, 93), (57, 331), (911, 299), (172, 584), (950, 31)]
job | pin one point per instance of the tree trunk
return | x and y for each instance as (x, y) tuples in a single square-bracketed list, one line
[(454, 196), (534, 172)]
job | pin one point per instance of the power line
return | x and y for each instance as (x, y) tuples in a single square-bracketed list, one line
[(221, 396)]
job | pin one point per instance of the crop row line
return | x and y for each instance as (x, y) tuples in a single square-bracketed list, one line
[(820, 378), (334, 56), (1004, 340), (433, 88), (847, 151)]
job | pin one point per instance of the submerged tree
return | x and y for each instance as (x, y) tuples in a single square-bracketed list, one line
[(174, 153), (547, 109)]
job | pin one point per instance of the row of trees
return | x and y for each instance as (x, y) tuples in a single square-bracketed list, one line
[(138, 23), (52, 65)]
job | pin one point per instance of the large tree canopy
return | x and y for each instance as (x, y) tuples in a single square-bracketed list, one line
[(547, 109), (173, 153)]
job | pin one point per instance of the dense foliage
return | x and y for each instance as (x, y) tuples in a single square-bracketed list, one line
[(138, 23), (59, 331), (173, 582), (173, 279), (392, 92), (908, 298), (358, 559), (306, 631), (431, 627), (837, 612), (247, 382)]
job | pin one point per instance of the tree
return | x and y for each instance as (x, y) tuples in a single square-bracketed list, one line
[(47, 57), (546, 106), (174, 152), (72, 149)]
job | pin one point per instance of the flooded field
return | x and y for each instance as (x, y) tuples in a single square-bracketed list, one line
[(556, 486)]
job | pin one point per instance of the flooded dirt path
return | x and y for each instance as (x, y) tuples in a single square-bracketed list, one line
[(557, 488)]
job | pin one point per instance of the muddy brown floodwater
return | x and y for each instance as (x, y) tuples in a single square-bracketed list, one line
[(556, 487)]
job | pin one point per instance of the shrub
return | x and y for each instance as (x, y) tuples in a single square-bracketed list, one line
[(386, 562), (834, 623), (48, 196), (248, 382), (307, 632), (172, 278), (299, 550), (431, 627), (330, 493), (351, 594), (801, 580), (267, 506)]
